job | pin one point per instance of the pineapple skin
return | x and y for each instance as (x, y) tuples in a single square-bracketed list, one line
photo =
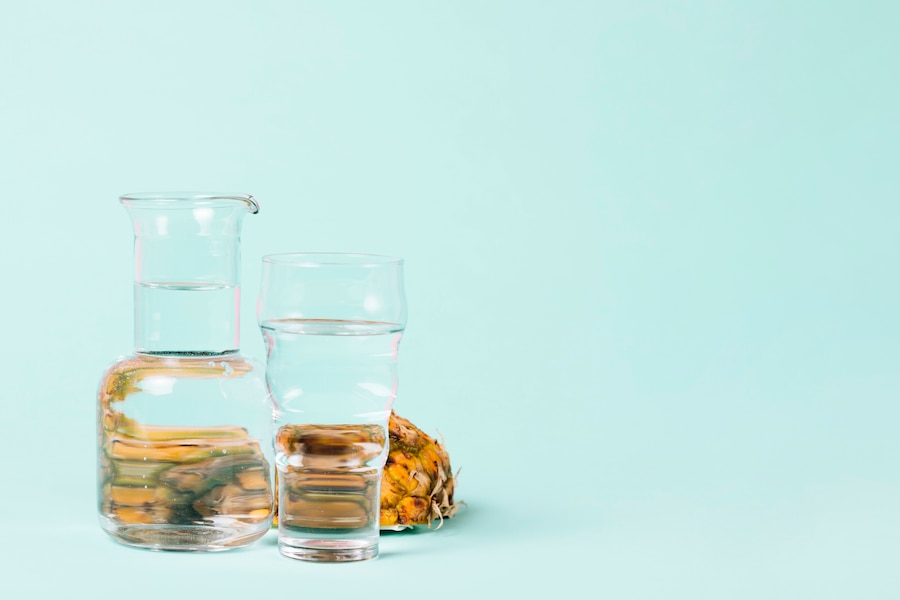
[(417, 483)]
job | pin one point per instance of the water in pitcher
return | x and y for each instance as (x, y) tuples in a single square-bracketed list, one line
[(196, 319)]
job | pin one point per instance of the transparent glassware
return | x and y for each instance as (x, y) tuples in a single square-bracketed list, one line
[(185, 422), (332, 325)]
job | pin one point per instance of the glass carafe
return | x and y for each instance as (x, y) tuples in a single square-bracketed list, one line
[(185, 422)]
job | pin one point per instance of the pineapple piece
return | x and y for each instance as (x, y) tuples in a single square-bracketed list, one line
[(417, 484)]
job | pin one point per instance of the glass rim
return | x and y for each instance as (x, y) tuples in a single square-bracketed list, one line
[(330, 259), (188, 199)]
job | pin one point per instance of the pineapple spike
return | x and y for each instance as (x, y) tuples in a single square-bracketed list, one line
[(436, 509)]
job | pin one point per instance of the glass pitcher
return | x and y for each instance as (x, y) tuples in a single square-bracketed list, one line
[(185, 422)]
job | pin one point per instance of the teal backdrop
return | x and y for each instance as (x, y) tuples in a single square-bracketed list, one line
[(651, 255)]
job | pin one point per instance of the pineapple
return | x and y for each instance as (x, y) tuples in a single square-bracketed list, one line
[(417, 483)]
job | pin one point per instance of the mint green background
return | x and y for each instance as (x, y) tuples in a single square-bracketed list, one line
[(651, 253)]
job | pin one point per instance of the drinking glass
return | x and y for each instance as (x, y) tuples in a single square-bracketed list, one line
[(332, 325)]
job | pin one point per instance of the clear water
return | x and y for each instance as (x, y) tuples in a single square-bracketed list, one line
[(185, 454), (186, 318), (329, 479), (336, 372), (333, 384)]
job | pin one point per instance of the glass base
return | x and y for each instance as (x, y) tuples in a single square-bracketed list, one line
[(329, 550), (184, 538)]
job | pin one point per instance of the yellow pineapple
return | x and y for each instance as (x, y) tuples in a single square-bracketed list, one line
[(417, 484)]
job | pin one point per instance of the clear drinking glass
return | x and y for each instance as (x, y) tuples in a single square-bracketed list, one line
[(185, 422), (332, 325)]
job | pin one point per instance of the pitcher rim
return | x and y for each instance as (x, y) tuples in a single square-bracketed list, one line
[(186, 199)]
